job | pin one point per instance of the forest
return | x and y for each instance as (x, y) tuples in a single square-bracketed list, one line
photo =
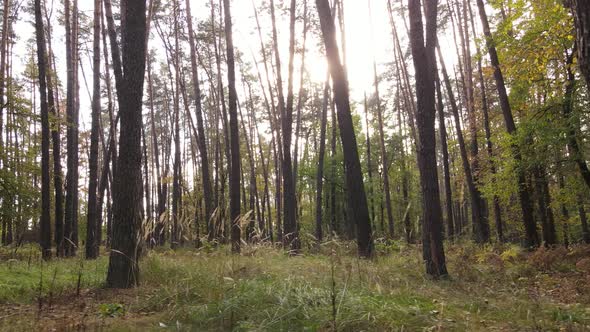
[(295, 165)]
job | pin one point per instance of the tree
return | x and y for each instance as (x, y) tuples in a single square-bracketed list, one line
[(45, 222), (201, 139), (357, 198), (532, 238), (291, 234), (176, 178), (320, 170), (423, 44), (480, 228), (123, 269), (384, 159), (581, 13), (234, 175), (445, 160), (92, 229)]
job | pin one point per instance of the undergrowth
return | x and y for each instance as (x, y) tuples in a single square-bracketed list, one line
[(494, 287)]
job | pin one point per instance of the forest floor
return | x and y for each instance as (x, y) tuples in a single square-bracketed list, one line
[(495, 288)]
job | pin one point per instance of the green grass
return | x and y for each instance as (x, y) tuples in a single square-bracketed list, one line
[(265, 290), (24, 277)]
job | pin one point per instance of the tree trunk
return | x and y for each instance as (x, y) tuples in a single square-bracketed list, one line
[(480, 225), (92, 245), (300, 100), (3, 78), (532, 238), (357, 198), (583, 221), (320, 170), (572, 122), (123, 269), (45, 222), (384, 159), (486, 123), (234, 174), (445, 156), (71, 208), (581, 13), (176, 179), (291, 234), (201, 139), (369, 163), (56, 143), (423, 51), (405, 177), (543, 201)]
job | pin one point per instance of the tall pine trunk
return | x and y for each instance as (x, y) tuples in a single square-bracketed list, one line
[(423, 44), (532, 238), (201, 139), (92, 223), (234, 174), (357, 198), (45, 222), (123, 269), (445, 161)]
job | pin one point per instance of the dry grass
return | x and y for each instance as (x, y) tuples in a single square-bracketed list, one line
[(492, 288)]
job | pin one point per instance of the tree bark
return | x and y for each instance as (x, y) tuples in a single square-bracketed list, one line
[(445, 161), (369, 163), (92, 245), (319, 234), (123, 269), (531, 236), (291, 234), (423, 50), (357, 198), (234, 174), (71, 206), (480, 225), (176, 179), (581, 13), (45, 222), (201, 139)]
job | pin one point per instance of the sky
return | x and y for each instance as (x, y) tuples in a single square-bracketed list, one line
[(360, 52)]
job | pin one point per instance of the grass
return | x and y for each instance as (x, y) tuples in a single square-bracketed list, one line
[(492, 288)]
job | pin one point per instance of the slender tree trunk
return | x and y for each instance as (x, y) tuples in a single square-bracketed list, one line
[(320, 171), (583, 221), (57, 169), (176, 191), (92, 245), (423, 46), (445, 161), (405, 177), (234, 175), (71, 208), (45, 223), (543, 201), (486, 123), (531, 236), (3, 50), (357, 198), (480, 226), (564, 213), (291, 234), (384, 159), (369, 163), (300, 99), (201, 139)]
